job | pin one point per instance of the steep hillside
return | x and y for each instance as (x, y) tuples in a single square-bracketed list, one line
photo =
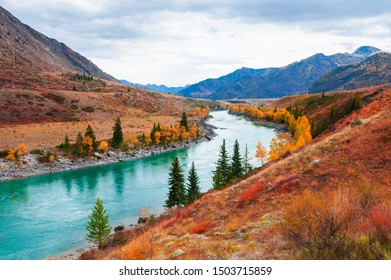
[(331, 199), (274, 82), (26, 53), (376, 70)]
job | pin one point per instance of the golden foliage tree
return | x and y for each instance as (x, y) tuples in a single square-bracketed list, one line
[(261, 152)]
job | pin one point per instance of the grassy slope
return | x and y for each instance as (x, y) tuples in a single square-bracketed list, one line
[(40, 117), (349, 157)]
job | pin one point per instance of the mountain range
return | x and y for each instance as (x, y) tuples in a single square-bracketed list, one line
[(153, 87), (297, 77)]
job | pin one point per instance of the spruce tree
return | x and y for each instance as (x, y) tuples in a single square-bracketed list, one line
[(222, 172), (66, 146), (184, 121), (90, 132), (193, 185), (217, 179), (246, 161), (153, 138), (176, 194), (118, 137), (236, 163), (98, 226)]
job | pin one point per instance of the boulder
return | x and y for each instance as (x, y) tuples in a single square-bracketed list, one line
[(142, 220), (119, 228), (98, 155)]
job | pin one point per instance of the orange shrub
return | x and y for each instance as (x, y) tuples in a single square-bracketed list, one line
[(201, 228), (142, 248), (250, 194)]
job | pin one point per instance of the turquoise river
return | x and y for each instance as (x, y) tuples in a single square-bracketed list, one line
[(44, 216)]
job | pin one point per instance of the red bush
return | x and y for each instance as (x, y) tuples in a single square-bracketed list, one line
[(381, 221), (201, 227), (250, 194)]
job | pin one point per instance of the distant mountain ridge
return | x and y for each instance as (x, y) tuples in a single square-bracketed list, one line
[(375, 70), (32, 51), (159, 88), (297, 77)]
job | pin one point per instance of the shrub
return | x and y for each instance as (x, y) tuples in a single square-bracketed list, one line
[(318, 224), (88, 109), (142, 248), (47, 157), (381, 222), (250, 194), (74, 107), (201, 228)]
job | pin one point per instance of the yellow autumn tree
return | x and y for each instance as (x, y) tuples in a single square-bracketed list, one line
[(131, 142), (261, 152), (11, 155), (303, 128), (103, 146), (272, 156), (88, 144), (22, 150), (193, 131), (300, 142), (157, 137), (147, 139)]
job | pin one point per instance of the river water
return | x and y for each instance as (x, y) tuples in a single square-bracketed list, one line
[(46, 215)]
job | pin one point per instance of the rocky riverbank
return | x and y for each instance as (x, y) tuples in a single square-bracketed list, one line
[(30, 166)]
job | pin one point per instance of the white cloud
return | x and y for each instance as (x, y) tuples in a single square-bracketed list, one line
[(180, 42)]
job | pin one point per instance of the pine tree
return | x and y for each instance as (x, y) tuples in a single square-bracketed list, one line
[(98, 227), (176, 194), (222, 172), (246, 161), (90, 132), (236, 163), (217, 179), (193, 185), (118, 137), (184, 121), (153, 138), (66, 146)]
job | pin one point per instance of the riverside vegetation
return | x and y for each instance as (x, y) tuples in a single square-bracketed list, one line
[(327, 199)]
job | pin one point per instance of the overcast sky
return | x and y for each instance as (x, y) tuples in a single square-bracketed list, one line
[(176, 42)]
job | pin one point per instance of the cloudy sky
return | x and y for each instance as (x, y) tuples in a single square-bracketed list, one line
[(177, 42)]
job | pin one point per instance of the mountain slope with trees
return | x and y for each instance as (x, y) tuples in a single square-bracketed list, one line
[(376, 70)]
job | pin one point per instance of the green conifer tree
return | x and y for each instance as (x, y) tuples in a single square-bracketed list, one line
[(193, 185), (236, 162), (246, 161), (98, 226), (184, 121), (66, 146), (118, 137), (176, 194), (222, 172)]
